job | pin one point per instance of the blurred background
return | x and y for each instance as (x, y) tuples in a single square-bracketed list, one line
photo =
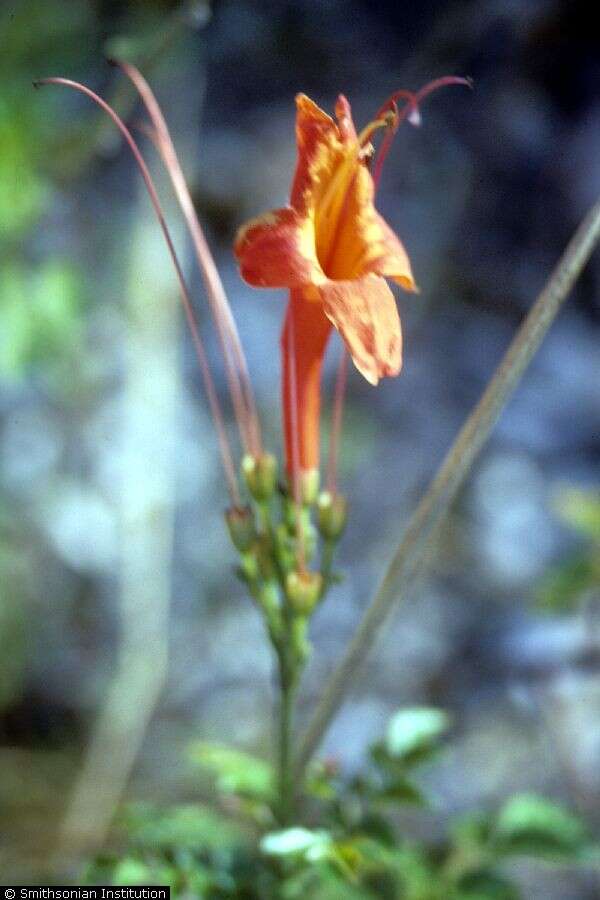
[(114, 560)]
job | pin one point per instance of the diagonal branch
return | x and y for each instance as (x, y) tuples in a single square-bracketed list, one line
[(455, 468)]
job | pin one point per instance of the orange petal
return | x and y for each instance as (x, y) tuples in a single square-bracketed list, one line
[(364, 312), (320, 150), (304, 340), (386, 254), (278, 250), (343, 114), (364, 242)]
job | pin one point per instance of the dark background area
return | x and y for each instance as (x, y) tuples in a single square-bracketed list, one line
[(103, 421)]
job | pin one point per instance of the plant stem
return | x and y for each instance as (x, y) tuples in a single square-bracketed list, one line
[(435, 504), (287, 697)]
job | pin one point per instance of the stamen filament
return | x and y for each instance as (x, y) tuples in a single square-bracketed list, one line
[(226, 455), (410, 111), (437, 83), (371, 128), (238, 378), (336, 422)]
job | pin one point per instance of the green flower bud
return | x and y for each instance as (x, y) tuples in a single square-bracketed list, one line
[(303, 590), (260, 474), (240, 522), (269, 595), (268, 598), (332, 515), (248, 570)]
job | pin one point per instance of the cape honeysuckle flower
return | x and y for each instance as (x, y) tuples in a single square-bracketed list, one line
[(334, 252)]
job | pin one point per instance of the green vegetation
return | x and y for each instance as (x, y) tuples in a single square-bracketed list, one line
[(355, 848)]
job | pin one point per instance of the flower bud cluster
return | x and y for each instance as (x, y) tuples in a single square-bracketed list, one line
[(285, 546)]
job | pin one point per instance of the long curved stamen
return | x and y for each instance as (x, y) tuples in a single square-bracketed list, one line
[(411, 108), (410, 111), (437, 83), (213, 400), (238, 379), (383, 121), (391, 131), (336, 422)]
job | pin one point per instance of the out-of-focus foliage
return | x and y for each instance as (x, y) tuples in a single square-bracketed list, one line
[(235, 772), (578, 575), (355, 849), (40, 298), (41, 316), (27, 121)]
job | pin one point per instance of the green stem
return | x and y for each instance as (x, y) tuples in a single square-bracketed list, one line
[(327, 557), (420, 532), (289, 665), (287, 696)]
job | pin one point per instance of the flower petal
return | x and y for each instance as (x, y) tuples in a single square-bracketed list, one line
[(364, 242), (320, 150), (278, 250), (364, 312), (343, 114), (304, 339), (387, 256)]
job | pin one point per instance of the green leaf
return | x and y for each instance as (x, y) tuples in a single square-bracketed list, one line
[(378, 828), (414, 733), (471, 832), (531, 824), (401, 790), (235, 772), (321, 882), (190, 827), (131, 872), (408, 866), (313, 845), (315, 848), (486, 885)]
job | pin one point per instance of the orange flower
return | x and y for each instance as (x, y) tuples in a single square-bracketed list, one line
[(333, 250)]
